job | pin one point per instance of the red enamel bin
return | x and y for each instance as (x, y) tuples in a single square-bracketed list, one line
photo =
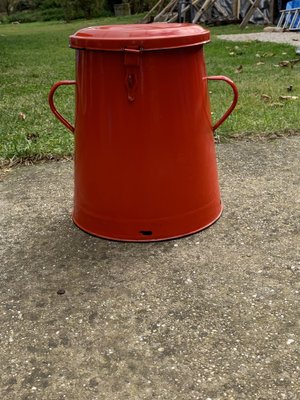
[(145, 162)]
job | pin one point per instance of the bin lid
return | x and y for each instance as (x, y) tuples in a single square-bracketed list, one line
[(155, 36)]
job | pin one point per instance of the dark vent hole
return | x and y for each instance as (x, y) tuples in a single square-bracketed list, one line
[(146, 233)]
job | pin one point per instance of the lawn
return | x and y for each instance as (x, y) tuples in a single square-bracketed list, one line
[(34, 56)]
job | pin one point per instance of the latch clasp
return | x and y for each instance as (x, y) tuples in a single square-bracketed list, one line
[(132, 61)]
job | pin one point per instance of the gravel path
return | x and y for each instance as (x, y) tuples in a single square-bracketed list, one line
[(291, 38)]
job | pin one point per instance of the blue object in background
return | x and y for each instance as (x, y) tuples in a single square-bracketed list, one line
[(290, 5)]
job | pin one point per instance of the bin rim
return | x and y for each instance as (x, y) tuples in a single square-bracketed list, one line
[(145, 37)]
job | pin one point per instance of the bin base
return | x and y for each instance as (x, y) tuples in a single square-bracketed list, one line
[(150, 230)]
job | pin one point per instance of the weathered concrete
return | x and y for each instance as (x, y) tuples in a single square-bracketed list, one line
[(211, 316)]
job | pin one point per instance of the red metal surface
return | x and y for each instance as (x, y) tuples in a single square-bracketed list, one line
[(146, 36), (145, 162)]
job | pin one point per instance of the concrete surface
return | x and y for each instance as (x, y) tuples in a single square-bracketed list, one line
[(211, 316), (291, 38)]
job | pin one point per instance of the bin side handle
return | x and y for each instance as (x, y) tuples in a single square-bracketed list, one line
[(52, 105), (234, 101)]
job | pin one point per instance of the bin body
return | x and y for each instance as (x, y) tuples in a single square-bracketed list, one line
[(145, 162)]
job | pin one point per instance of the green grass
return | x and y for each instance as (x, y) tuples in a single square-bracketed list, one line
[(260, 76), (34, 56), (48, 14), (33, 16)]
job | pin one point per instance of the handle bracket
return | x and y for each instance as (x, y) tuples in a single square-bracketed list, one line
[(52, 105), (234, 101)]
